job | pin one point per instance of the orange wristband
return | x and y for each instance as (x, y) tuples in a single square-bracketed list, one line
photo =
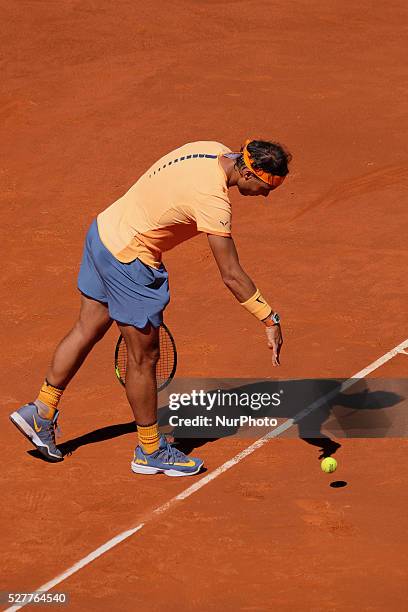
[(257, 306)]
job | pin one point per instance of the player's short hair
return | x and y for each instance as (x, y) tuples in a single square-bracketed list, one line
[(266, 155)]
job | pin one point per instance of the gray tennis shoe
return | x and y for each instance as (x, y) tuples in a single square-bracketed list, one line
[(41, 432)]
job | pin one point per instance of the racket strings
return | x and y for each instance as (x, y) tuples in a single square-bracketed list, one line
[(165, 366)]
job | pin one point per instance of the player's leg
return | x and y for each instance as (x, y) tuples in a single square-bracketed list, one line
[(37, 420), (142, 355), (154, 454), (92, 324)]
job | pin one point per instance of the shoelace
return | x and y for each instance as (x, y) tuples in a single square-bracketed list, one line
[(53, 429), (58, 430), (172, 454)]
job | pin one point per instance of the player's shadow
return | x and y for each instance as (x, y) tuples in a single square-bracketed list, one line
[(345, 414), (98, 435)]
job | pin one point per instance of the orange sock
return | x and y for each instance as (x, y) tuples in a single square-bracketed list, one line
[(149, 437), (49, 398)]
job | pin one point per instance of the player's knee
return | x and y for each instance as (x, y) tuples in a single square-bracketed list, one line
[(143, 360), (90, 334)]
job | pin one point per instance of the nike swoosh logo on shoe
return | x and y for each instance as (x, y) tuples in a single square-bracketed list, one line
[(37, 429)]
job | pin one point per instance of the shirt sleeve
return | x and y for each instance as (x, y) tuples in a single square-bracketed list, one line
[(213, 216)]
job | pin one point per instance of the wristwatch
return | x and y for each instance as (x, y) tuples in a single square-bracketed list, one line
[(273, 319)]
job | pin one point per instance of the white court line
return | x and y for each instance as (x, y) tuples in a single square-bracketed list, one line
[(215, 473)]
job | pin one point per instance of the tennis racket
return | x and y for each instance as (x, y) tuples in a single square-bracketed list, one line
[(166, 366)]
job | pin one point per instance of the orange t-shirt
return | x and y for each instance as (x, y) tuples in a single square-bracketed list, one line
[(184, 193)]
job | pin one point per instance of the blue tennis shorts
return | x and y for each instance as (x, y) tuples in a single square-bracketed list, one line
[(135, 293)]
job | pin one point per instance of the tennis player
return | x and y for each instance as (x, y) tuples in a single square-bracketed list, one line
[(122, 278)]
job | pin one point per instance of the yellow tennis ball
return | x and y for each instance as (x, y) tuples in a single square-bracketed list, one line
[(329, 465)]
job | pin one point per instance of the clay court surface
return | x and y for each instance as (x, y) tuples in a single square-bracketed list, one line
[(93, 92)]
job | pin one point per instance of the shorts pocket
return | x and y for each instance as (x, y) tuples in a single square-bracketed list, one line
[(145, 275)]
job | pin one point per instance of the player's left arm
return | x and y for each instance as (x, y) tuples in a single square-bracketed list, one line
[(232, 274), (244, 289)]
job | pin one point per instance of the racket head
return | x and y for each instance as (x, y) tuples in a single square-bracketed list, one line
[(166, 366)]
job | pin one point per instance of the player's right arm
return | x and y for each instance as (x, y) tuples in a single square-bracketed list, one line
[(243, 288)]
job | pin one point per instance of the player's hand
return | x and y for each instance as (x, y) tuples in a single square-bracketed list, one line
[(275, 341)]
